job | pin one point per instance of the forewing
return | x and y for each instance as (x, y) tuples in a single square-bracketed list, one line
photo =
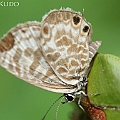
[(21, 55), (65, 44)]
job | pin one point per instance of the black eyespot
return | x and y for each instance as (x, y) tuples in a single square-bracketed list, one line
[(85, 29), (76, 20)]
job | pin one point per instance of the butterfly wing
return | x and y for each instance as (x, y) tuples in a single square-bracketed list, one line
[(65, 38), (21, 55)]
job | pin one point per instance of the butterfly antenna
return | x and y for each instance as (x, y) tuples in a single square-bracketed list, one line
[(51, 107), (58, 108), (83, 13)]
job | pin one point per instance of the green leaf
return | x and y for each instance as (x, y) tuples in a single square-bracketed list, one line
[(104, 79)]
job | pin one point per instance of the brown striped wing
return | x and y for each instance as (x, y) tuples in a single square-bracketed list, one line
[(65, 39), (21, 55)]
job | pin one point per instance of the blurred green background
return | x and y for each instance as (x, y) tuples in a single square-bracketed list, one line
[(21, 101)]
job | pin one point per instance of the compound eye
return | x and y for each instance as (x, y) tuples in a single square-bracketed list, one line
[(76, 20), (85, 29), (69, 97)]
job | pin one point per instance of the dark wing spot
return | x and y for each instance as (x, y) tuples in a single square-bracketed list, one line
[(85, 29), (7, 42), (24, 30), (45, 30), (76, 20)]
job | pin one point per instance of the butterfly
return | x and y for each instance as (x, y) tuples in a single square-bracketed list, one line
[(54, 54)]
